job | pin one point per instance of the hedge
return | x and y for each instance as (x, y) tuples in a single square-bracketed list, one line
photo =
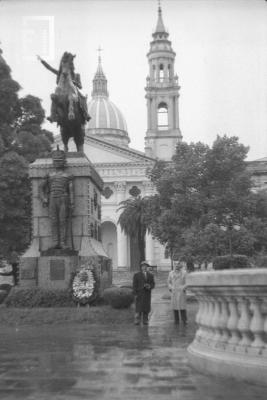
[(38, 297), (260, 261), (237, 261), (119, 297)]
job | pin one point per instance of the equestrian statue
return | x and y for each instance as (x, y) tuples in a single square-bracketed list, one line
[(69, 106)]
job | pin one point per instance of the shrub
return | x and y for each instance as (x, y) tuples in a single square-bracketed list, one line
[(227, 262), (4, 290), (38, 297), (119, 297), (3, 295), (6, 287), (260, 261)]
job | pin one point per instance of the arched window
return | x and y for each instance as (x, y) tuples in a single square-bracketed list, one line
[(163, 123), (161, 73)]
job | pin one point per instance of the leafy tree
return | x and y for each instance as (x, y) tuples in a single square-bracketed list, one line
[(256, 222), (15, 202), (8, 105), (206, 243), (22, 140), (197, 191), (228, 183), (133, 220), (203, 243)]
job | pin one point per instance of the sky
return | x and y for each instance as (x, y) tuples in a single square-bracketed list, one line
[(221, 59)]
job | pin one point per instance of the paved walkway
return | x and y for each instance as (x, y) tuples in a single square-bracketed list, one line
[(115, 363)]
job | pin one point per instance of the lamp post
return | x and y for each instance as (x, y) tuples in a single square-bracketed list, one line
[(229, 226)]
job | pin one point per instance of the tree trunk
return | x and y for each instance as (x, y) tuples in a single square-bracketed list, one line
[(141, 245)]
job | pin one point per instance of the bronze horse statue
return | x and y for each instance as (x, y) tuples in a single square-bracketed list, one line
[(69, 108)]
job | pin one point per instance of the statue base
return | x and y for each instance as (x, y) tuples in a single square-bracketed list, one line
[(52, 268)]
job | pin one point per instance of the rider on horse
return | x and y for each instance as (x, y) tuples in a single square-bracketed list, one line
[(55, 116)]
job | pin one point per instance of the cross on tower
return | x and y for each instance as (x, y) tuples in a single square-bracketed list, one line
[(99, 53)]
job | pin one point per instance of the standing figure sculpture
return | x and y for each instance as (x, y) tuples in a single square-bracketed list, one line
[(57, 194), (69, 107)]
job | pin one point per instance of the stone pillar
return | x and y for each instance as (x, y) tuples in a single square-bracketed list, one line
[(176, 105), (122, 245), (149, 102), (154, 116), (171, 114), (149, 190), (48, 267), (150, 249)]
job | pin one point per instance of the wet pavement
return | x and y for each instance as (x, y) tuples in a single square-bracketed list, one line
[(110, 362)]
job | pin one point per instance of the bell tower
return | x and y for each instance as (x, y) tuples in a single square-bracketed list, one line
[(162, 94)]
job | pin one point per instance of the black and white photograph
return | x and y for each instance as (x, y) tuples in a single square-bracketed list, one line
[(133, 199)]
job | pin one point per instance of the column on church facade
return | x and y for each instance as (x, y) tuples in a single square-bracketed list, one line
[(149, 124), (149, 190), (150, 249), (176, 112), (171, 113), (122, 244), (154, 116)]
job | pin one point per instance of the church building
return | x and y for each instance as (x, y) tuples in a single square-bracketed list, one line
[(122, 168)]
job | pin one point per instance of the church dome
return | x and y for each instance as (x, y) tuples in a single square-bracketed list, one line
[(107, 121)]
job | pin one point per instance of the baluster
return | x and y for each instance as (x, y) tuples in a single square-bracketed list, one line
[(209, 329), (244, 322), (232, 322), (201, 307), (201, 320), (224, 316), (265, 331), (204, 318), (257, 323), (215, 322)]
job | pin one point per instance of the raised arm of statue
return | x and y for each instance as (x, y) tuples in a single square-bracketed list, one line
[(46, 65)]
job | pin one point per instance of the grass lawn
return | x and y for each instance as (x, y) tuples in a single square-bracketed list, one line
[(103, 314)]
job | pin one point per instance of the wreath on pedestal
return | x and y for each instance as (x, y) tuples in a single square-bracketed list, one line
[(84, 286)]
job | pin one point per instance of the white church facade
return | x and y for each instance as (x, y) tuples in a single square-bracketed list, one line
[(122, 168)]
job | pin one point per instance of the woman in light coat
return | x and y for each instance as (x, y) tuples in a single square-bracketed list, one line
[(176, 285)]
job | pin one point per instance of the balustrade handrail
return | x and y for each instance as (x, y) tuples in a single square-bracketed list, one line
[(237, 277), (232, 322), (232, 305)]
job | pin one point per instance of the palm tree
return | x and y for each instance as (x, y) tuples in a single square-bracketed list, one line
[(133, 220)]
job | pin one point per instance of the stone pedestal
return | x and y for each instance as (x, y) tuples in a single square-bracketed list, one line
[(54, 268)]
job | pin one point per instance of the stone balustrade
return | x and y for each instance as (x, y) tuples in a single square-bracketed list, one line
[(231, 339)]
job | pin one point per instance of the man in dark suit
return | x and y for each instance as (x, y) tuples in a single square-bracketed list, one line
[(143, 283)]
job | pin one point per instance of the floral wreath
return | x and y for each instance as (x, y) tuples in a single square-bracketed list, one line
[(84, 285)]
